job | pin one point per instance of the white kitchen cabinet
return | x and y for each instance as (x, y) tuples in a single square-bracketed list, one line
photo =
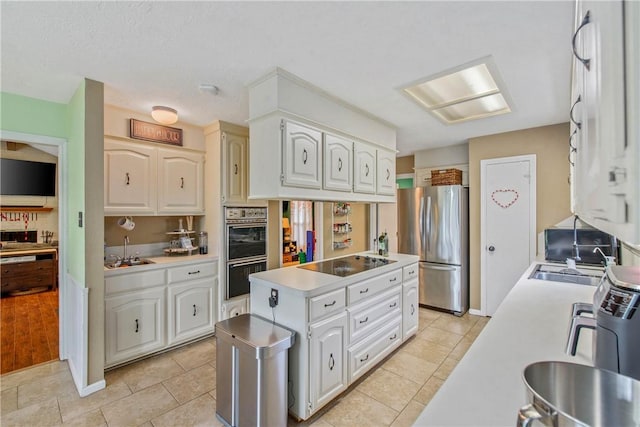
[(130, 175), (367, 353), (327, 375), (605, 178), (234, 148), (191, 309), (301, 155), (338, 163), (180, 182), (386, 168), (410, 312), (134, 324), (364, 180)]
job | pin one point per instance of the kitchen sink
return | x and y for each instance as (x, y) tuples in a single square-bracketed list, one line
[(128, 263), (558, 274)]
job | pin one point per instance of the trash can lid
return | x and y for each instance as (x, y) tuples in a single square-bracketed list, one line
[(252, 333)]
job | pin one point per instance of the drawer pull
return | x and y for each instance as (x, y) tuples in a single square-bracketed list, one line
[(393, 279), (330, 305), (365, 359), (194, 309), (194, 272), (364, 291), (137, 326), (413, 309), (366, 319), (332, 362), (393, 305), (393, 337)]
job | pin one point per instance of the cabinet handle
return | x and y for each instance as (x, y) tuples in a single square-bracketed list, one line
[(393, 279), (339, 164), (393, 337), (366, 319), (366, 169), (193, 272), (578, 124), (413, 309), (304, 156), (127, 180), (364, 291), (181, 182), (235, 169), (332, 362), (365, 359), (571, 147), (330, 305), (585, 61), (137, 326), (571, 162), (194, 310), (393, 305), (388, 174)]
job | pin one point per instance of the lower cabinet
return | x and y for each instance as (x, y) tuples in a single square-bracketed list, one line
[(148, 311), (327, 375), (409, 308), (134, 324), (370, 351)]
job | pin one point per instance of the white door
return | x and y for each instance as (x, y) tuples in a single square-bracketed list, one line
[(508, 225)]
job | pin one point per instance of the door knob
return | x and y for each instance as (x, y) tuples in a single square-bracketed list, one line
[(491, 248)]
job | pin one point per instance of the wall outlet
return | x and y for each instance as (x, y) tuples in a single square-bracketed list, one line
[(273, 299)]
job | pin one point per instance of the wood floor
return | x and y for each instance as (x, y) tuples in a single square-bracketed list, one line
[(28, 330)]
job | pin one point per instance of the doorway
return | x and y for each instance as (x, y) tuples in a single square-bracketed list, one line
[(298, 237), (31, 320), (508, 225)]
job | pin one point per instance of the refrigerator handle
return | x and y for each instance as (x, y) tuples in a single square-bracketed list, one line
[(428, 236), (443, 268)]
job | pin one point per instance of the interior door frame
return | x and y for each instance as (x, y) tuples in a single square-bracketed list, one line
[(483, 205)]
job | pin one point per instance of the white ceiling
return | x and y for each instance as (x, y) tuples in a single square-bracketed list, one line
[(157, 53)]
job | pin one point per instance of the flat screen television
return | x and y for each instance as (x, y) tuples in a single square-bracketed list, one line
[(26, 178)]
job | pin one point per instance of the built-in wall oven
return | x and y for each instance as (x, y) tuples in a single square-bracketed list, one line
[(246, 246)]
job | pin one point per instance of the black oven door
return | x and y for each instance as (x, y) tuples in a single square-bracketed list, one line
[(246, 241), (238, 276)]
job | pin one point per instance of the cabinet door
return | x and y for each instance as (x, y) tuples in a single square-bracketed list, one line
[(191, 309), (338, 173), (386, 167), (364, 180), (327, 373), (180, 180), (301, 151), (409, 308), (130, 178), (235, 168), (134, 324)]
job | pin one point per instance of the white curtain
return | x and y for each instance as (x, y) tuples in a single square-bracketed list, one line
[(301, 219)]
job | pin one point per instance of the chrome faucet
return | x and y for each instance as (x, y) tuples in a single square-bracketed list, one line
[(576, 250), (126, 242), (608, 260)]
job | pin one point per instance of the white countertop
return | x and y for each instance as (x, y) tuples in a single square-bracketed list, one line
[(160, 262), (531, 325), (310, 283)]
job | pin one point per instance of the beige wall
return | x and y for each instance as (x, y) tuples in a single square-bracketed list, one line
[(549, 144), (404, 164), (359, 219)]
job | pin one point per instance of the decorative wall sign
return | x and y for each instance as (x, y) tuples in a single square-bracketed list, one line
[(155, 133), (504, 198)]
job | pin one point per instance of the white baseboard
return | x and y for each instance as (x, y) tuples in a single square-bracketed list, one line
[(92, 388), (476, 312)]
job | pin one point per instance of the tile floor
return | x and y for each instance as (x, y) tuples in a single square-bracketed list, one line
[(178, 388)]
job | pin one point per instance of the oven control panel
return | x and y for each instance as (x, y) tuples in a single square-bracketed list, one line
[(619, 303), (243, 214)]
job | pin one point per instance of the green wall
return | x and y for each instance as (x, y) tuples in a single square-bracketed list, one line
[(30, 115)]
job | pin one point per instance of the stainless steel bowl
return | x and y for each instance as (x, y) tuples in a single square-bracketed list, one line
[(568, 394)]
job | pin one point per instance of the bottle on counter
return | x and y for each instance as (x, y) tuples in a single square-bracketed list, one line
[(203, 243), (383, 244), (302, 256)]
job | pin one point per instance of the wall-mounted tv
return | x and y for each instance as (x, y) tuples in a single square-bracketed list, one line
[(26, 178)]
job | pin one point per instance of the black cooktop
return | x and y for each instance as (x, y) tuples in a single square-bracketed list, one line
[(348, 265)]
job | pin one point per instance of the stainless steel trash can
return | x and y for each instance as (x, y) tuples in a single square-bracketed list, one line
[(251, 371)]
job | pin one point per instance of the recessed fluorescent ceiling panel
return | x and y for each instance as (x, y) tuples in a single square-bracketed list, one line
[(466, 93)]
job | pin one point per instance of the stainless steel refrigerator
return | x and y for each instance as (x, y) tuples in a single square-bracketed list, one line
[(433, 223)]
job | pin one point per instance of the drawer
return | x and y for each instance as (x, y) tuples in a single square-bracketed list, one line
[(326, 304), (134, 281), (410, 272), (367, 288), (22, 281), (28, 267), (189, 272), (371, 351), (374, 313)]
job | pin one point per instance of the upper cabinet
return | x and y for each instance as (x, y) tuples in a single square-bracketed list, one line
[(301, 155), (145, 180), (234, 157), (308, 145), (603, 144)]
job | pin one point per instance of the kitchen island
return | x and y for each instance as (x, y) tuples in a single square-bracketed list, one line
[(531, 325), (345, 325)]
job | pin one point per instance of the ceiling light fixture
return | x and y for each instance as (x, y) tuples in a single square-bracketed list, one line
[(468, 92), (164, 115)]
